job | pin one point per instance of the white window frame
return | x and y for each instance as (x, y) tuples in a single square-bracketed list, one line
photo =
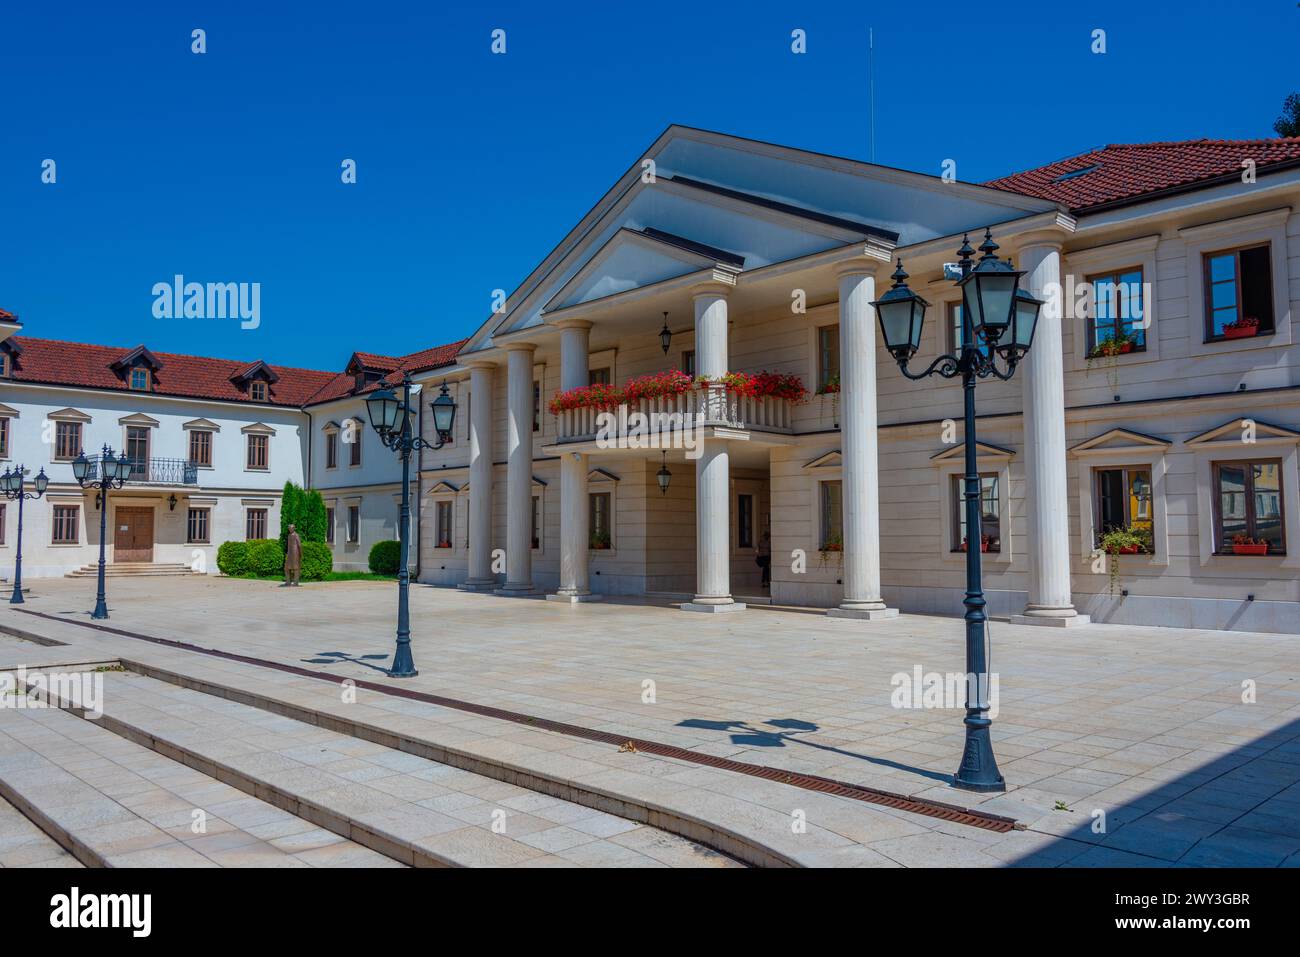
[(1114, 449), (990, 460), (600, 481), (1097, 260), (1268, 227)]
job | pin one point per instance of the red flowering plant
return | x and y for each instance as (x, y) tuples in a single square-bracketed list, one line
[(831, 386), (657, 385), (598, 396), (759, 385)]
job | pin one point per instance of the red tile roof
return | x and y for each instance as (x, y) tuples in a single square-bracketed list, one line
[(53, 362), (393, 367), (1130, 171)]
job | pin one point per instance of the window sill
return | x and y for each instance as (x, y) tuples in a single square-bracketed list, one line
[(1262, 334), (1240, 555)]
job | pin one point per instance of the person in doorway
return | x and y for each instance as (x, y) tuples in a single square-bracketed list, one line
[(763, 557), (292, 557)]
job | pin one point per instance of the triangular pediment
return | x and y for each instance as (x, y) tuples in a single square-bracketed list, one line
[(982, 449), (442, 486), (139, 419), (1245, 431), (205, 425), (831, 460), (69, 415), (601, 475), (1120, 439)]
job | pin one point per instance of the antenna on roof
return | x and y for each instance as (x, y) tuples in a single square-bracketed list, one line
[(871, 85)]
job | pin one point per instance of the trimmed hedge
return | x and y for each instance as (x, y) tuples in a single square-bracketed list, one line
[(317, 561), (385, 557), (232, 558), (265, 557)]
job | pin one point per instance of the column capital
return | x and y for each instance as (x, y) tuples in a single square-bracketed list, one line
[(520, 347), (573, 324), (486, 365), (1054, 234), (866, 260), (720, 283)]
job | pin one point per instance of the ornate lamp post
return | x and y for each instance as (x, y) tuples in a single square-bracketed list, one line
[(111, 474), (11, 484), (391, 418), (1000, 316)]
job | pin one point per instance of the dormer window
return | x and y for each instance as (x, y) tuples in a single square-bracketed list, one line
[(257, 391), (4, 365), (140, 380)]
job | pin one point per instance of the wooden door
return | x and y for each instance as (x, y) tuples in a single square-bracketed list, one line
[(133, 539)]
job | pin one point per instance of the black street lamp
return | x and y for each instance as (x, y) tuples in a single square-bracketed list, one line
[(391, 418), (11, 484), (999, 314), (109, 473)]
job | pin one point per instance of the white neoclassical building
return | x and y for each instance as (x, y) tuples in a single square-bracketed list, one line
[(1160, 399)]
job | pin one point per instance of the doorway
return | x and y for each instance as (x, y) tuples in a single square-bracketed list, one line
[(133, 536)]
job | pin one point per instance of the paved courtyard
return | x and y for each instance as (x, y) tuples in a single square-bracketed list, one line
[(1120, 745)]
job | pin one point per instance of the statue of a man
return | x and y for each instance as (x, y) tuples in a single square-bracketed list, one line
[(292, 557)]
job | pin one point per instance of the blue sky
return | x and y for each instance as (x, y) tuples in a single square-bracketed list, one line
[(225, 166)]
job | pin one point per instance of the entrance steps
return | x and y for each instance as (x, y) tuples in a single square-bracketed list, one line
[(112, 803), (133, 570), (408, 808)]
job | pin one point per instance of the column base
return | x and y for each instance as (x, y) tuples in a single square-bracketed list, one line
[(516, 591), (712, 606), (1052, 619), (573, 598), (862, 612), (478, 585)]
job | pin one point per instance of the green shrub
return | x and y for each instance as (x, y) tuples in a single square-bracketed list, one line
[(312, 517), (232, 558), (317, 561), (265, 557), (385, 557), (290, 507)]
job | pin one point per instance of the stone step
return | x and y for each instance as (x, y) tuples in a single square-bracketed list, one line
[(131, 570), (23, 844), (112, 803), (410, 808)]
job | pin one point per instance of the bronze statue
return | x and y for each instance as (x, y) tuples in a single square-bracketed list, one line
[(292, 557)]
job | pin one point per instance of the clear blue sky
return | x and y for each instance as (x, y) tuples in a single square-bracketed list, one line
[(225, 166)]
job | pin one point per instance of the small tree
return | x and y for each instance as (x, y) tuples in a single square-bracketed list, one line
[(312, 517), (1288, 124), (290, 509)]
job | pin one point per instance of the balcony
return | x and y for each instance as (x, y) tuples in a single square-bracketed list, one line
[(711, 406), (153, 471)]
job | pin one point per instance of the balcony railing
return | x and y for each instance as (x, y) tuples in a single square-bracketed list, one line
[(710, 406), (154, 471)]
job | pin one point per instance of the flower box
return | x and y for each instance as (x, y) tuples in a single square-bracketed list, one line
[(984, 546), (1240, 332), (1256, 549)]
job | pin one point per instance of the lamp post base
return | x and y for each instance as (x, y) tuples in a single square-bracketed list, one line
[(403, 663), (979, 769), (100, 612)]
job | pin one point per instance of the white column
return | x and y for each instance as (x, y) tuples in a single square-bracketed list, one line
[(712, 468), (519, 470), (1043, 381), (480, 479), (575, 583), (858, 449)]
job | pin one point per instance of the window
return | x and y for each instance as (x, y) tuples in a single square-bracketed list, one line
[(599, 520), (255, 524), (4, 363), (3, 515), (443, 524), (201, 448), (329, 524), (828, 355), (957, 330), (598, 376), (1248, 508), (537, 522), (354, 523), (354, 445), (1123, 501), (67, 440), (688, 362), (537, 406), (65, 524), (1238, 293), (831, 498), (257, 391), (4, 438), (257, 452), (331, 450), (140, 380), (137, 452), (990, 518), (745, 521), (196, 527), (1118, 312)]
